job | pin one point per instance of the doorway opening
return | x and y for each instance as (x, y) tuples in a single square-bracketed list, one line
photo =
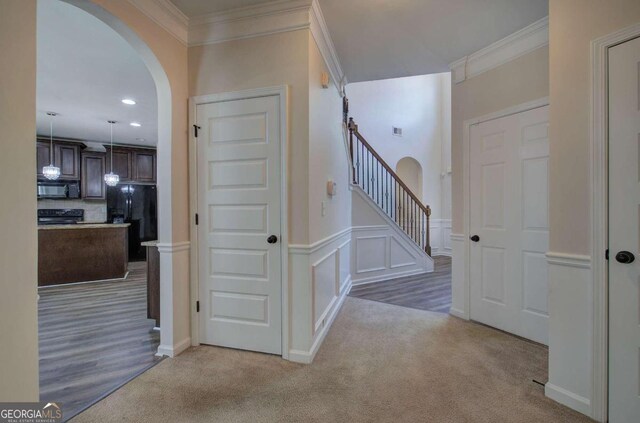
[(103, 107)]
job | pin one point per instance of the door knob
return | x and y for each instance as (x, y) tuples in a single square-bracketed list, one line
[(625, 257), (272, 239), (474, 238)]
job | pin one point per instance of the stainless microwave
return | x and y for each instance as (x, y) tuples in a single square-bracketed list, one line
[(60, 190)]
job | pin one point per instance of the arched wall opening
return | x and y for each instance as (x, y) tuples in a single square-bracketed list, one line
[(410, 171), (164, 166)]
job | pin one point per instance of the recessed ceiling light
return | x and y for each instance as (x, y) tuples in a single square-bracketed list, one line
[(136, 124), (128, 101)]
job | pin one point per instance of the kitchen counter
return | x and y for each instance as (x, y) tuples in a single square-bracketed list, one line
[(85, 226), (82, 253)]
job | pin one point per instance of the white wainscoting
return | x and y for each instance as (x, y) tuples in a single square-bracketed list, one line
[(570, 333), (440, 237), (320, 280), (459, 280), (379, 253)]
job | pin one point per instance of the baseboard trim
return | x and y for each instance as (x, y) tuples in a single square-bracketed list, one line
[(306, 357), (571, 400), (175, 350), (380, 278), (458, 313)]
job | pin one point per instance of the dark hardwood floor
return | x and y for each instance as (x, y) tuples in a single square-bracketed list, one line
[(94, 337), (427, 291)]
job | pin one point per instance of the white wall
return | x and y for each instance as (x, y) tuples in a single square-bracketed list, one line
[(328, 154), (421, 106)]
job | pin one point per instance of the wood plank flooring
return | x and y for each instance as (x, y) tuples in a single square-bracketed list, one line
[(427, 291), (94, 337)]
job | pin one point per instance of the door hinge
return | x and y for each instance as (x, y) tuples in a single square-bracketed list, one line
[(606, 254), (195, 130), (197, 218), (197, 306)]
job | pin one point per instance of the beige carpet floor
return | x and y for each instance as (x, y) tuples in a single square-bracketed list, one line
[(379, 363)]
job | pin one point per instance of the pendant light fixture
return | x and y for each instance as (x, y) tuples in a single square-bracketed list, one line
[(51, 172), (111, 178)]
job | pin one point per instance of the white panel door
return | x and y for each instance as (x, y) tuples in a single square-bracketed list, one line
[(509, 223), (624, 232), (239, 208)]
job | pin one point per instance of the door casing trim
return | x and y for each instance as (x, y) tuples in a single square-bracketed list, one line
[(282, 92), (598, 146)]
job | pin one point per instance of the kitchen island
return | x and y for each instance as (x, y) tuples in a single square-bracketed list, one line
[(82, 252)]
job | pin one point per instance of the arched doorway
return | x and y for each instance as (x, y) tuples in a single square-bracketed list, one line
[(162, 99), (410, 171), (164, 147)]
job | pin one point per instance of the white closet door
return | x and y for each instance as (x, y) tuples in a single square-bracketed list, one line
[(509, 223), (239, 206)]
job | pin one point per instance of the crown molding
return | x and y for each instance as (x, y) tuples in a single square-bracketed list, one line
[(266, 19), (322, 36), (248, 22), (167, 15), (505, 50)]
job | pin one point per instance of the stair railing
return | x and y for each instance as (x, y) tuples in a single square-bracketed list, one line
[(386, 189)]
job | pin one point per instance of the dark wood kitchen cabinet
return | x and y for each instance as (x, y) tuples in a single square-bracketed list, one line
[(43, 157), (144, 166), (121, 163), (93, 170), (66, 156)]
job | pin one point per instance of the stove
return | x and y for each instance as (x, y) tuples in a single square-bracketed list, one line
[(60, 216)]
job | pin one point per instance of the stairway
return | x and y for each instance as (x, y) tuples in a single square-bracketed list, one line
[(382, 185)]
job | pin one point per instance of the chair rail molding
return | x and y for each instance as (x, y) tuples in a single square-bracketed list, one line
[(598, 141), (505, 50)]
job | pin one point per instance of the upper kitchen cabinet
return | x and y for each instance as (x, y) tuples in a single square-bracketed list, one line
[(43, 157), (121, 163), (66, 156), (93, 170), (144, 166)]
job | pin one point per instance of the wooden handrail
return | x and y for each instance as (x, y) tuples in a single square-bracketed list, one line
[(353, 128)]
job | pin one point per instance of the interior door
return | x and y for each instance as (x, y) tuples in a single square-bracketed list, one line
[(509, 223), (624, 232), (239, 190)]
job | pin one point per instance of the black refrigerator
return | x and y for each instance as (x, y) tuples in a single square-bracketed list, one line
[(136, 205)]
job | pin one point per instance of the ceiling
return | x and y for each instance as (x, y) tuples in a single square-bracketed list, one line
[(84, 70), (379, 39)]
